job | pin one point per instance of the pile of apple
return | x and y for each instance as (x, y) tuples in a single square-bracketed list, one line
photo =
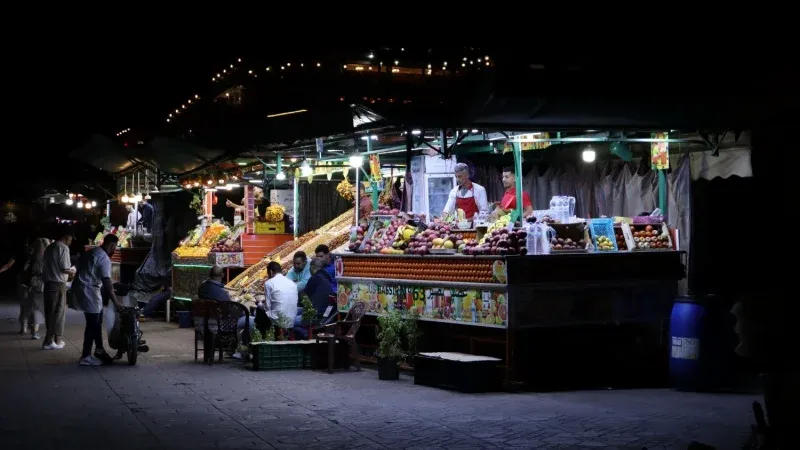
[(386, 240), (384, 211), (559, 244), (499, 242), (227, 245), (650, 237), (354, 245), (437, 236)]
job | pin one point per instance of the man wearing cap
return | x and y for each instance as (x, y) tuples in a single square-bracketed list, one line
[(467, 196)]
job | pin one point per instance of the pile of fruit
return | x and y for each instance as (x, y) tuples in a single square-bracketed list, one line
[(213, 233), (499, 242), (385, 211), (403, 239), (621, 244), (604, 244), (359, 238), (432, 269), (227, 245), (648, 237), (191, 252), (436, 237), (345, 189), (500, 223), (274, 213), (558, 244)]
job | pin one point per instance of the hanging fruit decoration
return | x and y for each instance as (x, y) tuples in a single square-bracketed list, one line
[(345, 189), (214, 200)]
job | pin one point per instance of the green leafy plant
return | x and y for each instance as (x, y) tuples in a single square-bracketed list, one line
[(309, 312), (197, 204), (106, 223), (395, 328), (412, 331), (390, 335)]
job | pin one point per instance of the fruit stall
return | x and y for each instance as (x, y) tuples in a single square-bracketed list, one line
[(249, 285), (512, 291), (191, 261)]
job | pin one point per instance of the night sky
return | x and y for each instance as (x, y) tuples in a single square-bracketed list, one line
[(95, 91)]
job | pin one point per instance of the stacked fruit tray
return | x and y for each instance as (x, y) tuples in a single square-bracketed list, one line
[(462, 269)]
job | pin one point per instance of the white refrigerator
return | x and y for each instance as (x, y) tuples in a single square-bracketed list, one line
[(433, 179)]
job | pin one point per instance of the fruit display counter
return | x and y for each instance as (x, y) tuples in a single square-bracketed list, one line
[(528, 310)]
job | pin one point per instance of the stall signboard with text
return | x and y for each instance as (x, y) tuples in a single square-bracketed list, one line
[(473, 306)]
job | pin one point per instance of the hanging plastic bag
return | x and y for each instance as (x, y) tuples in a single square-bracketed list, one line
[(111, 317)]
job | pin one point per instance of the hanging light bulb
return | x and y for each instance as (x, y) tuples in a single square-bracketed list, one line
[(69, 202), (94, 203), (52, 199), (87, 205), (79, 204), (280, 176), (138, 196), (305, 169), (125, 197), (589, 155), (356, 161)]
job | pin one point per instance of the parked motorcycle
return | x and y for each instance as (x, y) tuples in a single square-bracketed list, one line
[(129, 341)]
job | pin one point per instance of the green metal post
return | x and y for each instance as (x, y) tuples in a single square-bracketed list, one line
[(518, 178), (296, 206), (662, 191), (370, 178)]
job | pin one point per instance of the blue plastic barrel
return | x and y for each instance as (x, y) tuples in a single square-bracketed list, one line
[(700, 343), (184, 319)]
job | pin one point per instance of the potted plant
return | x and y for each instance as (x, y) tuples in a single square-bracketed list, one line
[(309, 315), (390, 350)]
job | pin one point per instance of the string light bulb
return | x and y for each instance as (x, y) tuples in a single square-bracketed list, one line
[(305, 169), (69, 202), (79, 204), (280, 176), (94, 203)]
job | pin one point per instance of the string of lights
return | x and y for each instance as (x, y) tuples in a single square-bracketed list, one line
[(384, 60)]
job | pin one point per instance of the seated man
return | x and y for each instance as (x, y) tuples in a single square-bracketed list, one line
[(318, 290), (300, 272), (280, 301), (322, 251), (157, 300), (213, 288)]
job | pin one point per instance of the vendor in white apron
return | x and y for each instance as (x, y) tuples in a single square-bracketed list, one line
[(467, 196)]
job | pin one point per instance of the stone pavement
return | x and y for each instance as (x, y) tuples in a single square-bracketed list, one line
[(170, 402)]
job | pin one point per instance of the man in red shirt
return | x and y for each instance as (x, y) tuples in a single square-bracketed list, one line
[(509, 201)]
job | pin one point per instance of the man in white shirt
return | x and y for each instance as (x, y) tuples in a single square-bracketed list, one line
[(92, 280), (56, 269), (280, 302), (467, 196), (133, 218)]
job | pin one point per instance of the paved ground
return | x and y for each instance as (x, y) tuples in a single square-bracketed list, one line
[(170, 402)]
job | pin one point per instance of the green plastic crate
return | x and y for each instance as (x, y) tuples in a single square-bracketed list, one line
[(281, 356)]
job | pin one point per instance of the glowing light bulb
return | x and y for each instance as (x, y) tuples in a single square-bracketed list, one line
[(589, 155), (356, 161), (280, 176), (79, 204), (69, 202), (94, 203)]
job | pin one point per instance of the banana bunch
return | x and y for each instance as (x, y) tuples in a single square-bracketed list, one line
[(500, 223), (274, 213), (345, 189)]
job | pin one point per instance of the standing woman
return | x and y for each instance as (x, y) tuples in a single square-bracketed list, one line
[(32, 304)]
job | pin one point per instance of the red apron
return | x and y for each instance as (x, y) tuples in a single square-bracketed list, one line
[(468, 205)]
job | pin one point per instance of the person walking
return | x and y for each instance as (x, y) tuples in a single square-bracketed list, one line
[(93, 279), (56, 269), (31, 311)]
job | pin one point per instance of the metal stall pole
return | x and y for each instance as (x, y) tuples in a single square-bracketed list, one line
[(518, 178), (296, 207)]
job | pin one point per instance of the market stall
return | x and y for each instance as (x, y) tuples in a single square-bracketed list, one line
[(127, 258), (511, 290)]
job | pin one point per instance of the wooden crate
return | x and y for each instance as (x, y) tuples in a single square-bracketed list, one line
[(270, 227)]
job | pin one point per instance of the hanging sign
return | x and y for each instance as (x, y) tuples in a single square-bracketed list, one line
[(659, 152)]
